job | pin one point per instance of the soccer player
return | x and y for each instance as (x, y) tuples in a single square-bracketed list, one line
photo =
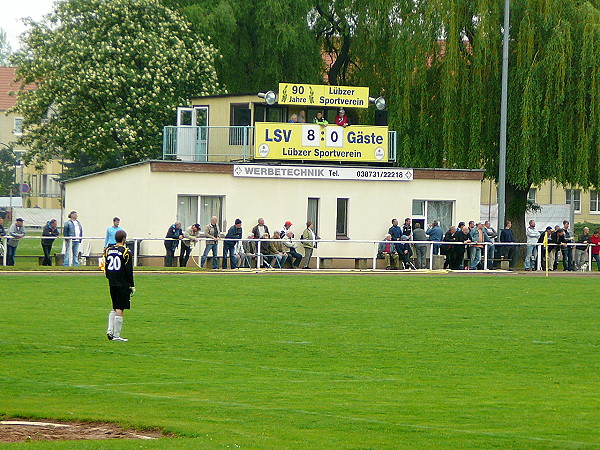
[(119, 271)]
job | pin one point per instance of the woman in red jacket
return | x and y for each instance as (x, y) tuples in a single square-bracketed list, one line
[(595, 240)]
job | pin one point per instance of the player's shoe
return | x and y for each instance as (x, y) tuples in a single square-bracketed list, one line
[(119, 338), (110, 336)]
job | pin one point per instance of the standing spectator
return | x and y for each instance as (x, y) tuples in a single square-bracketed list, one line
[(445, 249), (49, 234), (190, 239), (561, 246), (508, 251), (260, 229), (387, 251), (547, 254), (471, 225), (2, 234), (595, 241), (73, 232), (15, 233), (211, 231), (293, 256), (581, 250), (464, 236), (419, 234), (309, 242), (492, 234), (111, 232), (286, 229), (395, 231), (234, 232), (532, 237), (342, 119), (320, 120), (567, 252), (302, 116), (407, 228), (172, 238), (436, 234), (478, 238), (119, 271)]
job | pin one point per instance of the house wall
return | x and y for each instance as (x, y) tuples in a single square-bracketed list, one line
[(146, 202)]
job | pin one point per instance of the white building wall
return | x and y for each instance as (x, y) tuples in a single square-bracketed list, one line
[(146, 202)]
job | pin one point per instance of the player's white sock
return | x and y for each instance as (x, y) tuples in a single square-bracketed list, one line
[(111, 322), (118, 325)]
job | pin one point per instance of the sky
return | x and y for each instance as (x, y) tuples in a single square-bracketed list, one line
[(12, 10)]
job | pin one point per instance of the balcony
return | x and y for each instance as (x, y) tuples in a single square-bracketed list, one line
[(221, 144)]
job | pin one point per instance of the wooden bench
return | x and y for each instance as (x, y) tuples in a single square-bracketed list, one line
[(327, 262)]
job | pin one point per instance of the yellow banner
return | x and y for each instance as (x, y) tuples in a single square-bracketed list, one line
[(319, 95), (293, 141)]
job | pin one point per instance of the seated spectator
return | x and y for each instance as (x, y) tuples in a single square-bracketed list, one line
[(266, 250), (293, 256), (249, 250), (293, 118), (320, 120), (240, 254), (404, 252), (302, 116), (387, 251), (279, 250), (419, 234)]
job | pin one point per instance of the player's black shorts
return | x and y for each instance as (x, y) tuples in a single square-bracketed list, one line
[(120, 297)]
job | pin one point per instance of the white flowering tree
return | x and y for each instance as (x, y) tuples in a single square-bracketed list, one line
[(110, 74)]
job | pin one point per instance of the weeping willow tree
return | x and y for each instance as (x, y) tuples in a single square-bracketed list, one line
[(439, 63)]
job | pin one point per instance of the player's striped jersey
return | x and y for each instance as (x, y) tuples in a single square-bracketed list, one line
[(118, 266)]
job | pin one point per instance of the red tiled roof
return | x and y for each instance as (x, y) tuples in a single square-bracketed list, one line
[(7, 85)]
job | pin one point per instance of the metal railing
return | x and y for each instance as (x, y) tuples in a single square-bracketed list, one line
[(221, 144), (319, 253)]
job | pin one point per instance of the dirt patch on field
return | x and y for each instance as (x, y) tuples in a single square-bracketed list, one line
[(15, 430)]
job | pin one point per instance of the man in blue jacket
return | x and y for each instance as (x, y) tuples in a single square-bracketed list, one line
[(174, 235), (234, 232)]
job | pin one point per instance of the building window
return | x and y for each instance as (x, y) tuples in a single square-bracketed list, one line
[(595, 201), (341, 222), (240, 117), (531, 195), (312, 213), (211, 205), (574, 198), (418, 207), (187, 210), (18, 131), (426, 211), (266, 113)]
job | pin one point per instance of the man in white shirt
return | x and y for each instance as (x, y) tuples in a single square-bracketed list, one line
[(532, 238), (74, 231)]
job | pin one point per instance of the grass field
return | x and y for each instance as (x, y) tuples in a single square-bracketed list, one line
[(310, 361)]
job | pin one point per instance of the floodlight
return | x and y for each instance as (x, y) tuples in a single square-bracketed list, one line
[(269, 97), (379, 102)]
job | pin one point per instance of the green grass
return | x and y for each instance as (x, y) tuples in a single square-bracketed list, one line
[(311, 361)]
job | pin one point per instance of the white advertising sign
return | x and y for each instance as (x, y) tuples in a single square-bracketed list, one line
[(322, 173)]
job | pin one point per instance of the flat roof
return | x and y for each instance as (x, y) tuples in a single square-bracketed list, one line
[(227, 168)]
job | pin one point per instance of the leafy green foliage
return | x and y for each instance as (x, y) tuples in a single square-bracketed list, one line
[(7, 172), (262, 43), (110, 74), (5, 48)]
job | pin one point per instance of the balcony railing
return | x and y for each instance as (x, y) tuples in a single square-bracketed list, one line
[(221, 144)]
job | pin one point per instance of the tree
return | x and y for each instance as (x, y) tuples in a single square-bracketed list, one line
[(7, 172), (440, 64), (5, 49), (109, 74), (263, 42)]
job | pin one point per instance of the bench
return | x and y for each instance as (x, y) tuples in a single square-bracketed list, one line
[(345, 262)]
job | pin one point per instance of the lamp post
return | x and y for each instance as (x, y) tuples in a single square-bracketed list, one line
[(503, 119)]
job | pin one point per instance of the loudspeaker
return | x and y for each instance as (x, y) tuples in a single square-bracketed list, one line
[(381, 117)]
